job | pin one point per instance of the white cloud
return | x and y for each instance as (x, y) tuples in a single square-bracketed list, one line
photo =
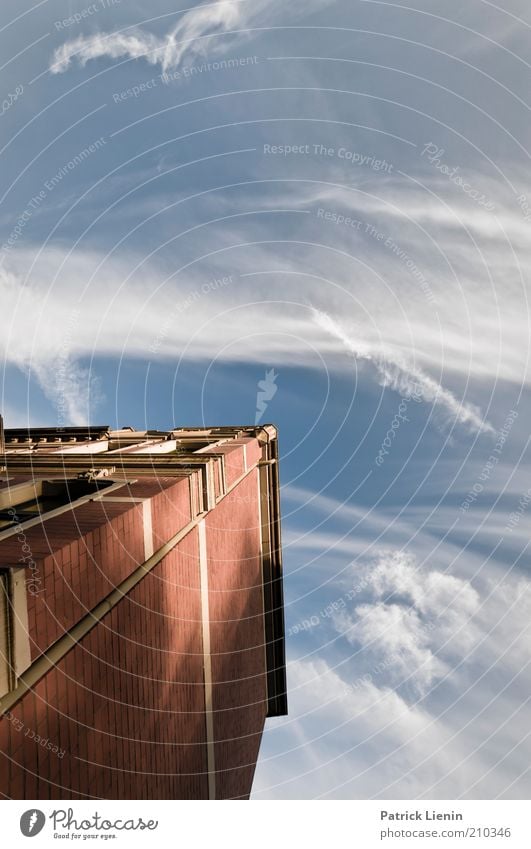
[(353, 735), (416, 620), (191, 36), (431, 593), (216, 320), (74, 391), (366, 303), (167, 51), (408, 380), (347, 743), (363, 301)]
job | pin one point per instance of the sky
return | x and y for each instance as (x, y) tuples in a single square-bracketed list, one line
[(316, 214)]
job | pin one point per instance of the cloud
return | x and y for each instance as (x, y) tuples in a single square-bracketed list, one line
[(191, 36), (322, 288), (416, 622), (42, 292), (343, 743), (133, 45), (408, 381), (364, 302), (75, 391), (354, 731), (166, 51), (51, 344)]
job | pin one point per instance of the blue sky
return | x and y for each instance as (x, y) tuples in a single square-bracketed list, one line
[(338, 191)]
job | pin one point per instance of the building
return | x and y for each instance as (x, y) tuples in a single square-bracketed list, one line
[(141, 612)]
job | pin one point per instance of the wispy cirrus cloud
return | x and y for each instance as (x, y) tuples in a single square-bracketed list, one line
[(397, 374), (217, 320), (167, 50), (75, 391), (192, 35)]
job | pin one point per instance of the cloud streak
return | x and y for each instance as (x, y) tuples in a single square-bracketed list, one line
[(192, 35), (216, 321), (166, 51), (406, 379)]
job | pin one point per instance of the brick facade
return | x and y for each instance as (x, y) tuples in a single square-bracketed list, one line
[(122, 710)]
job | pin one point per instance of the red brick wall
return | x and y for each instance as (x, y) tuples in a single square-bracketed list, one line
[(126, 705), (170, 504), (79, 558), (234, 460), (81, 555), (237, 637)]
